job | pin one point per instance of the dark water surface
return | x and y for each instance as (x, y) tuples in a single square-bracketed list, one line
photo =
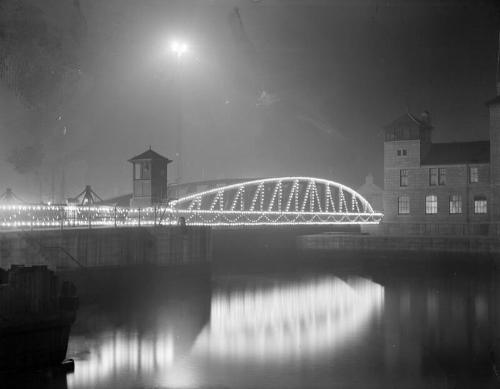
[(307, 324)]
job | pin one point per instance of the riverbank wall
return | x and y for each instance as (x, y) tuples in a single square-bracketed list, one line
[(406, 243), (110, 247)]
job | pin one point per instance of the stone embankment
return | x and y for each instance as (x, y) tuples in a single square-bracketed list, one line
[(107, 247), (360, 242)]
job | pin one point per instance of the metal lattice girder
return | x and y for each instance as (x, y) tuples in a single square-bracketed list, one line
[(281, 200)]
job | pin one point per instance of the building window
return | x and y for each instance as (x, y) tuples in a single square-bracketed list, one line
[(433, 176), (137, 171), (404, 152), (442, 176), (404, 205), (403, 177), (145, 171), (480, 204), (399, 152), (455, 204), (473, 174), (431, 204)]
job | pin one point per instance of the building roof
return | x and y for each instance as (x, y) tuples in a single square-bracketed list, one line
[(457, 153), (410, 119), (149, 154)]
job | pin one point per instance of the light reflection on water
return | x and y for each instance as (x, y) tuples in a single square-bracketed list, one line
[(288, 321), (254, 322), (121, 351), (419, 330)]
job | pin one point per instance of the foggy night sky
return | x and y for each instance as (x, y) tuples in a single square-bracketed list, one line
[(341, 70)]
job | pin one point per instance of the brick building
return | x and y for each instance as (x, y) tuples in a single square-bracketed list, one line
[(441, 188)]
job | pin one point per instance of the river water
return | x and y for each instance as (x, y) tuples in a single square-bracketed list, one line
[(309, 324)]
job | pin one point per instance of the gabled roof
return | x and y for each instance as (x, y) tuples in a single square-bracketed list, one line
[(457, 153), (149, 154)]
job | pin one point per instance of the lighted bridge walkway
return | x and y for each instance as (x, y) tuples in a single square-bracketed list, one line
[(271, 201)]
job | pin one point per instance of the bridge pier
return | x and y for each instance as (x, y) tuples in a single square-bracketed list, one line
[(110, 247)]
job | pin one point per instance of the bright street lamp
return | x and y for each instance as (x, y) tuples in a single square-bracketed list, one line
[(179, 48)]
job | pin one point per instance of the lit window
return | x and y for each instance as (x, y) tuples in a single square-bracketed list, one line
[(403, 177), (455, 203), (473, 174), (431, 204), (442, 176), (404, 205), (433, 176), (480, 204)]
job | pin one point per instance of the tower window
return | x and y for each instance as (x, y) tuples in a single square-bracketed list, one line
[(455, 204), (473, 174), (442, 176), (480, 204), (404, 152), (404, 205), (146, 171), (403, 177), (399, 152), (433, 176), (142, 170), (431, 204)]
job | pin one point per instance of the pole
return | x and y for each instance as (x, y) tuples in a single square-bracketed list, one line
[(178, 89)]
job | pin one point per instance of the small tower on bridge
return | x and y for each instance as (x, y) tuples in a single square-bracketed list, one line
[(149, 178)]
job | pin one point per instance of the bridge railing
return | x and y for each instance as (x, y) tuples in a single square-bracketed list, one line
[(31, 217), (37, 217)]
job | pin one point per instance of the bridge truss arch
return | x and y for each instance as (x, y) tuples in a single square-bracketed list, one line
[(277, 201)]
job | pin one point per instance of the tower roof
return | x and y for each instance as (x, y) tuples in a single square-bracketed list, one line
[(410, 119), (149, 155)]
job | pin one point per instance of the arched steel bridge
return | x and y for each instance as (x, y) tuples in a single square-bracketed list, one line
[(269, 201), (277, 201)]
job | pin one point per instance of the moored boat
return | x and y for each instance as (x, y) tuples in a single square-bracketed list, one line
[(36, 315)]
